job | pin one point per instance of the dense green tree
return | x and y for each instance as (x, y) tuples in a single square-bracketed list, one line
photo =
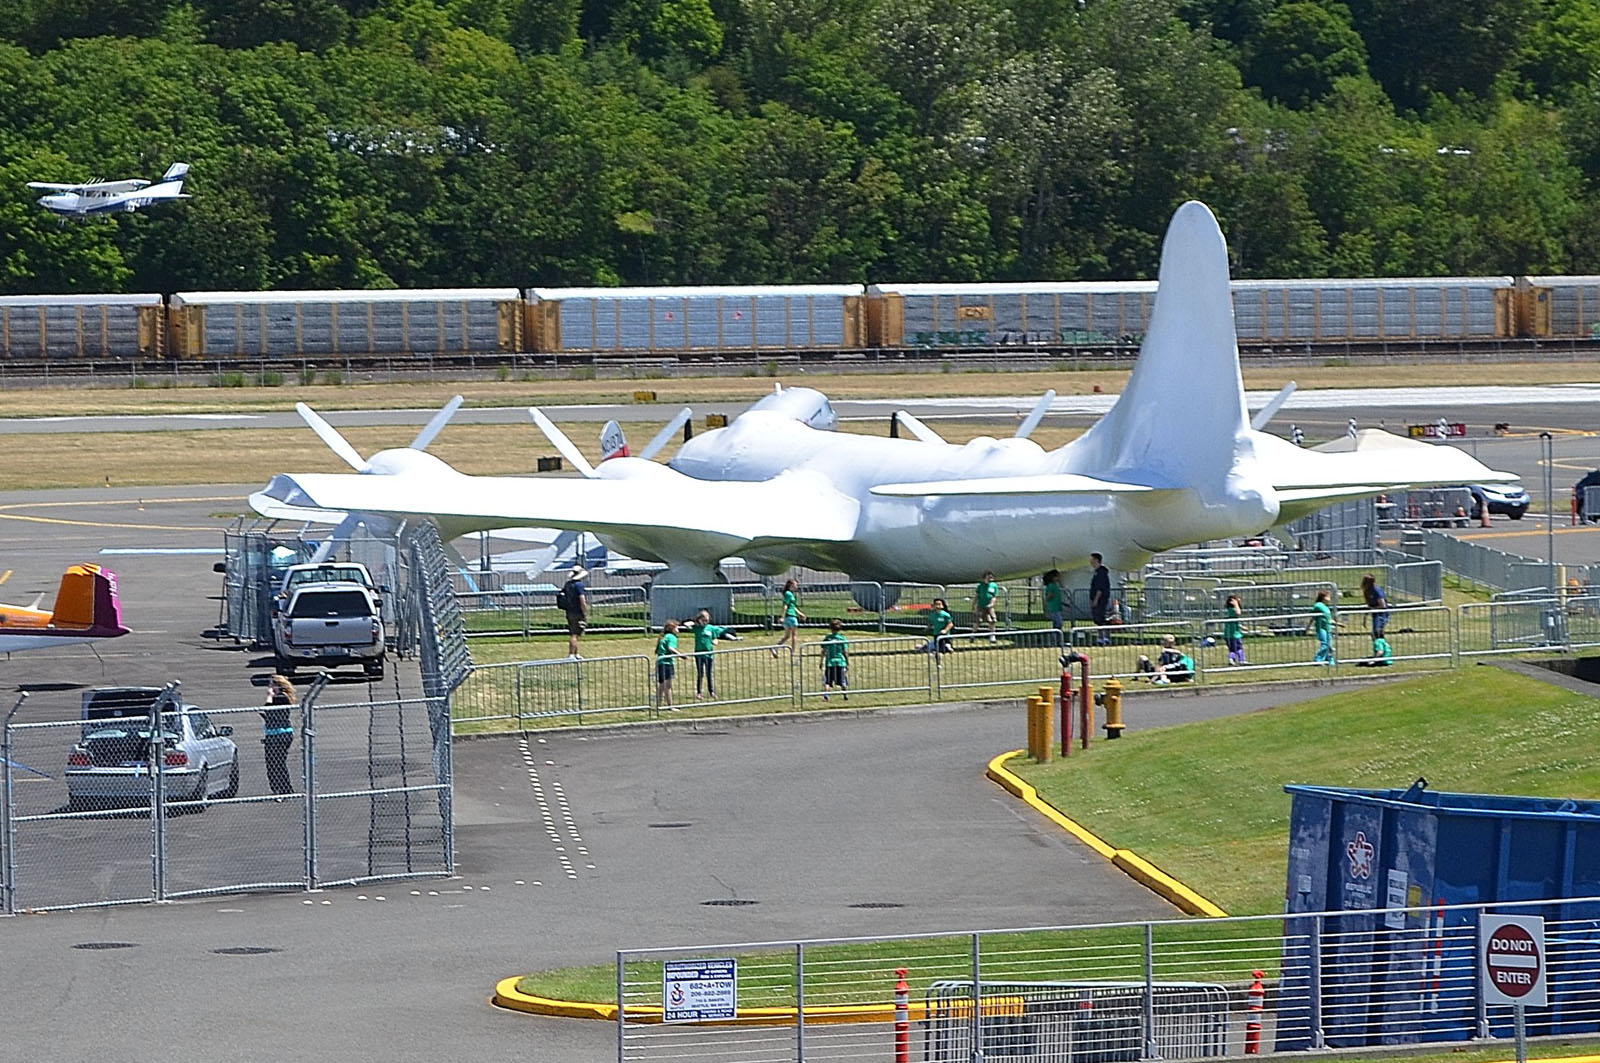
[(1302, 49)]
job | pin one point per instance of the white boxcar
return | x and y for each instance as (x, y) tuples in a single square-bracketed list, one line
[(352, 322), (1029, 313), (1574, 306), (65, 327), (1426, 308), (743, 318)]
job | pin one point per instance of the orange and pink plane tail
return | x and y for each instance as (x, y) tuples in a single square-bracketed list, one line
[(87, 607)]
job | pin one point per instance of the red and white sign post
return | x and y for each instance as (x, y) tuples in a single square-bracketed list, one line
[(1511, 967)]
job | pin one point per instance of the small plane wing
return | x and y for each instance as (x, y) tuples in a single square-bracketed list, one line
[(108, 187), (1063, 483), (654, 505)]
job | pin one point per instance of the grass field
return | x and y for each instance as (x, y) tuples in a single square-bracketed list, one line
[(1205, 801), (979, 380)]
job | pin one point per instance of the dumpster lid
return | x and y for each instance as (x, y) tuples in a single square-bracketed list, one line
[(1418, 796)]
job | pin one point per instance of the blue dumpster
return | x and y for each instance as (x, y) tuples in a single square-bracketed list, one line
[(1378, 976)]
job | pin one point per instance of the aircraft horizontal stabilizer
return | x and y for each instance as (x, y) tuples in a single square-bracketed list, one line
[(1064, 483)]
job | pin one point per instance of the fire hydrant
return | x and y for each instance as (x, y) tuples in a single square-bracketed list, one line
[(1114, 724)]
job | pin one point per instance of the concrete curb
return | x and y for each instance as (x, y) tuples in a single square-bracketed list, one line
[(506, 995), (1125, 860)]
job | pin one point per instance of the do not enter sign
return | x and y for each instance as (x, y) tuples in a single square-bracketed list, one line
[(1512, 961)]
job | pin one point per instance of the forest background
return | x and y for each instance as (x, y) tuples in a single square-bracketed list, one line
[(417, 143)]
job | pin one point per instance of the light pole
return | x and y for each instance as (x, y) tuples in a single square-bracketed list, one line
[(1547, 450)]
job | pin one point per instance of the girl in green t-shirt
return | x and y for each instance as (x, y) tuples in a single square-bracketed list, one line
[(1322, 622), (666, 664), (791, 618), (835, 661), (706, 635), (940, 624), (1233, 629)]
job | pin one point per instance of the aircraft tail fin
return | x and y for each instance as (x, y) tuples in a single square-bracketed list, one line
[(1181, 420), (176, 172), (613, 442), (87, 601)]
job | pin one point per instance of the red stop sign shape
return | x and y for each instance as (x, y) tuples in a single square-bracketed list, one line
[(1513, 960)]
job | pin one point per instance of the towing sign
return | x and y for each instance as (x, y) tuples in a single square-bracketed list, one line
[(1512, 959)]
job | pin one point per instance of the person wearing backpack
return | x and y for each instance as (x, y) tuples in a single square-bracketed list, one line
[(573, 600)]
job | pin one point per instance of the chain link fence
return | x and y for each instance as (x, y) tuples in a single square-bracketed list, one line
[(1182, 989), (154, 808)]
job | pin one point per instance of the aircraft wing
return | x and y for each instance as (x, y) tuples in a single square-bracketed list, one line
[(1064, 483), (659, 510), (164, 191), (110, 187)]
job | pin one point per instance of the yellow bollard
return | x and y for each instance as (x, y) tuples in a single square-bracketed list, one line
[(1046, 730), (1033, 728), (1114, 724), (1047, 695)]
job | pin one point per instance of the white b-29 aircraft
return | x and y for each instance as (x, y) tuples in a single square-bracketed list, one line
[(111, 197), (1175, 461)]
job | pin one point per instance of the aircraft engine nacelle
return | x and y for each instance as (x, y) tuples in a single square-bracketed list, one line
[(806, 405), (875, 597)]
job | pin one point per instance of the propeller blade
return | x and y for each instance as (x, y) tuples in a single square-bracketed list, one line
[(917, 428), (663, 437), (1040, 408), (340, 534), (562, 443), (1267, 412), (436, 425), (330, 435)]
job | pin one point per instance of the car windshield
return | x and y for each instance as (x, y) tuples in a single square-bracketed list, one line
[(328, 574)]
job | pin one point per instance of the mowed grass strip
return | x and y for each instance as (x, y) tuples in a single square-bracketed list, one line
[(986, 378), (1205, 801)]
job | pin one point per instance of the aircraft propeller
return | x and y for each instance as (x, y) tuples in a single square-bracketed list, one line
[(917, 428), (1267, 412), (1040, 408)]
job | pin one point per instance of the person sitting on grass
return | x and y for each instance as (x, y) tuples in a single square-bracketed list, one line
[(1172, 666), (835, 661), (940, 624), (1382, 654)]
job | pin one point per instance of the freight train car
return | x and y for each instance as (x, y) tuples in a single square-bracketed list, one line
[(787, 317), (357, 323), (61, 328), (1042, 313), (1363, 310), (1559, 306)]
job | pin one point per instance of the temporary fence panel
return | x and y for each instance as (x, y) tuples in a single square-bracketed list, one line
[(363, 795), (583, 687), (1179, 989), (895, 668), (1264, 599), (530, 610), (1008, 659), (489, 696), (1519, 626), (745, 676), (1177, 597), (1346, 529), (1582, 616), (1287, 642), (1416, 581)]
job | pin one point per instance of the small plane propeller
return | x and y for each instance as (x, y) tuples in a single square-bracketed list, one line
[(1267, 412), (567, 447), (917, 428), (660, 440), (341, 446), (1040, 408)]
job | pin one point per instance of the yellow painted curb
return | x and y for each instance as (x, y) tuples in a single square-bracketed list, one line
[(1127, 861), (506, 995)]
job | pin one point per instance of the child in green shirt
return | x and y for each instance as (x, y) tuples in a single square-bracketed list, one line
[(835, 661), (666, 664), (940, 624), (706, 635)]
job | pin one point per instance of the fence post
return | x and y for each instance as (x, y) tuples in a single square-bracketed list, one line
[(517, 692), (799, 1002), (1314, 978), (578, 669), (1198, 641), (8, 837), (1150, 1051), (157, 752), (622, 1005), (796, 661), (883, 610), (1480, 1003), (977, 1003), (308, 774)]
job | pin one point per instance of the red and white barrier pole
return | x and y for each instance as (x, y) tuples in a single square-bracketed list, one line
[(1252, 1023), (902, 1018), (1065, 702)]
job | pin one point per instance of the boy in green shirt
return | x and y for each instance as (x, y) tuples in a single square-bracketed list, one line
[(706, 635), (835, 661), (940, 624), (983, 596), (1055, 600), (666, 664)]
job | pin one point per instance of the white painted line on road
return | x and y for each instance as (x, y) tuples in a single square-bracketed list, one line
[(139, 550)]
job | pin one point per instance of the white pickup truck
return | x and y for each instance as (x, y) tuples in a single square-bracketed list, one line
[(329, 624)]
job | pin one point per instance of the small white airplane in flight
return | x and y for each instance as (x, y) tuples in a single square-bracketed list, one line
[(111, 197), (1176, 461)]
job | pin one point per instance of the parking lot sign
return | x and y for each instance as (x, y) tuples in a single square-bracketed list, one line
[(699, 990)]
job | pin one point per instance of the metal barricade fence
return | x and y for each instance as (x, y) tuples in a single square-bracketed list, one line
[(1418, 635), (1116, 650), (1260, 599), (531, 610), (118, 812), (1007, 659), (1177, 597), (1176, 989), (1582, 613), (1522, 625), (584, 686), (1416, 581), (892, 668), (748, 675)]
